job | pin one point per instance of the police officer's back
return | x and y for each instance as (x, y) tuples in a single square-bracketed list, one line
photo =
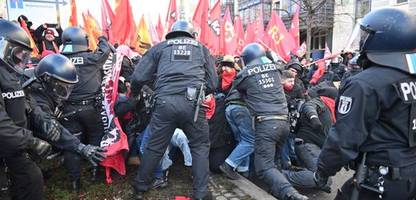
[(180, 68), (376, 112), (83, 107), (261, 88)]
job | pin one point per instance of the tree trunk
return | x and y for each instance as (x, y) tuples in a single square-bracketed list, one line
[(308, 35)]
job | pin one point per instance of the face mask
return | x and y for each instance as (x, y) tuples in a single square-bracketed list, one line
[(227, 79), (287, 87)]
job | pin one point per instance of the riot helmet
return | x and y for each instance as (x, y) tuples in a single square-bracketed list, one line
[(181, 28), (57, 75), (254, 52), (74, 40), (387, 37), (14, 45)]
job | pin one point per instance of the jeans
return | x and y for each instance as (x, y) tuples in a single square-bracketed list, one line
[(308, 154), (288, 152), (239, 119)]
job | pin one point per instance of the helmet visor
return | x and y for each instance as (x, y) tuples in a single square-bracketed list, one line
[(60, 89), (359, 37), (14, 55)]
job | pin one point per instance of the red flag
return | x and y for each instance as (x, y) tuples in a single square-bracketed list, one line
[(124, 27), (228, 37), (277, 37), (153, 33), (239, 31), (107, 18), (92, 29), (35, 51), (301, 50), (250, 35), (259, 29), (319, 72), (294, 28), (200, 19), (172, 15), (160, 30), (327, 53), (214, 24), (73, 19)]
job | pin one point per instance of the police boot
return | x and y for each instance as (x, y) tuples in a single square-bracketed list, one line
[(295, 196), (229, 172), (76, 185)]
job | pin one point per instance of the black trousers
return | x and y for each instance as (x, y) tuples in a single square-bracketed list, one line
[(269, 139), (404, 189), (173, 112), (86, 124), (26, 178)]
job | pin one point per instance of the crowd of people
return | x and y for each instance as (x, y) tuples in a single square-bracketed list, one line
[(248, 115)]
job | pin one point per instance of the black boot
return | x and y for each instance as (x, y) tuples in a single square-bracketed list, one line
[(76, 185), (229, 172)]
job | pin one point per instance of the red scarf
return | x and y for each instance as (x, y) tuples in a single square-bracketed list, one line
[(227, 79), (330, 104)]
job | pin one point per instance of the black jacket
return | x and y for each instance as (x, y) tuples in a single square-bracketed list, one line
[(89, 69), (14, 134), (305, 128), (51, 111), (175, 64), (374, 116), (260, 86)]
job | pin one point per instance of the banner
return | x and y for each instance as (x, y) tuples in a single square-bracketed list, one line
[(114, 140)]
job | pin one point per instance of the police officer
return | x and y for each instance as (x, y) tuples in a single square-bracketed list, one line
[(376, 113), (181, 65), (259, 84), (50, 83), (16, 139), (82, 109)]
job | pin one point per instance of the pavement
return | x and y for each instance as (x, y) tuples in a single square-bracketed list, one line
[(245, 189)]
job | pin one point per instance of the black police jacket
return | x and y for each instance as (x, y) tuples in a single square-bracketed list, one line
[(305, 129), (373, 115), (51, 111), (89, 69), (13, 120), (175, 64), (261, 89)]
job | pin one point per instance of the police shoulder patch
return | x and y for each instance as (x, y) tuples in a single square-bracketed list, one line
[(344, 104)]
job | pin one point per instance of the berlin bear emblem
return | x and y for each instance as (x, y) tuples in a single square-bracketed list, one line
[(344, 105)]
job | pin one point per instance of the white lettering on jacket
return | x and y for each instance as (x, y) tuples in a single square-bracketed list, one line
[(13, 95)]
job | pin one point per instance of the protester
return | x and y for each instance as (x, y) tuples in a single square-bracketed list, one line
[(47, 42)]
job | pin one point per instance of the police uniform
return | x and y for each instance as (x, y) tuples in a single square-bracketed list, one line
[(376, 113), (380, 112), (259, 84), (26, 177), (82, 109), (179, 64)]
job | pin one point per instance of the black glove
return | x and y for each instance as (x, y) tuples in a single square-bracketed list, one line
[(316, 124), (102, 38), (322, 181), (93, 154), (52, 130), (39, 147)]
